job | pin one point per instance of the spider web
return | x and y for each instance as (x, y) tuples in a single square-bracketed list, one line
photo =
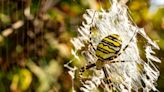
[(134, 73)]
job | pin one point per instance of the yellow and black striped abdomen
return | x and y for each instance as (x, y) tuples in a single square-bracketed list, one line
[(109, 47)]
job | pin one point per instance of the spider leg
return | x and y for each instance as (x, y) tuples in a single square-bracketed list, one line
[(128, 43), (91, 43), (123, 49), (110, 62), (87, 67), (107, 79), (91, 32)]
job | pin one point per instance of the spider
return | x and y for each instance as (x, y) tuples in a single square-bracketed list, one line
[(108, 49)]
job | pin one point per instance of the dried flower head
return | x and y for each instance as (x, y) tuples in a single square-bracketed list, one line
[(129, 71)]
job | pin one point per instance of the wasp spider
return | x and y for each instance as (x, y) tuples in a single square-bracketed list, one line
[(109, 48)]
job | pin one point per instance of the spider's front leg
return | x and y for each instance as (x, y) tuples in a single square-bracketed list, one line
[(99, 64), (85, 73), (83, 69)]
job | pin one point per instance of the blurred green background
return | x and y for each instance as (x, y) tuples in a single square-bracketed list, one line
[(35, 40)]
